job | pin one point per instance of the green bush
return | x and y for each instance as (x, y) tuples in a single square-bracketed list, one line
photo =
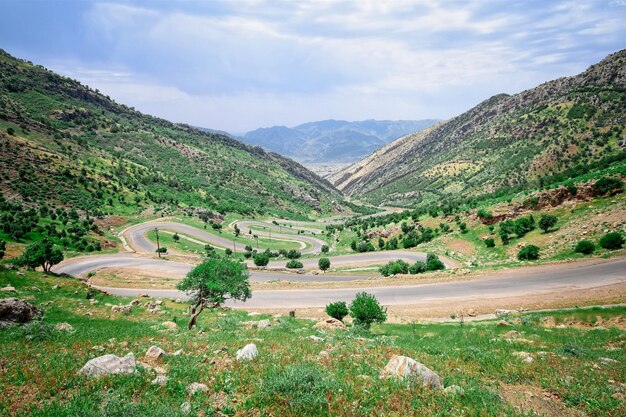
[(418, 267), (366, 310), (611, 185), (261, 259), (489, 242), (325, 248), (294, 264), (228, 252), (337, 310), (323, 263), (585, 246), (613, 240), (528, 253), (293, 254), (394, 268), (433, 263), (484, 214), (547, 221), (301, 388)]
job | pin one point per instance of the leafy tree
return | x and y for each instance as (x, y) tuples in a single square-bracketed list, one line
[(489, 242), (365, 310), (249, 248), (294, 264), (528, 253), (325, 248), (161, 249), (392, 244), (547, 221), (3, 247), (324, 264), (261, 259), (42, 254), (394, 268), (337, 310), (228, 252), (381, 243), (585, 246), (418, 267), (610, 185), (176, 238), (433, 263), (293, 254), (213, 282), (612, 240)]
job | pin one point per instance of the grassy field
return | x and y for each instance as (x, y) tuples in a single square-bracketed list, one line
[(572, 371)]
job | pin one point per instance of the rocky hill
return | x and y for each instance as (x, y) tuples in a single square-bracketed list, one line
[(64, 144), (505, 141), (332, 140)]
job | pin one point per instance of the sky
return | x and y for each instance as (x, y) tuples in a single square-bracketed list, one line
[(239, 65)]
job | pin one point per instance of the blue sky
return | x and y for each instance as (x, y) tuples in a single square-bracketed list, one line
[(239, 65)]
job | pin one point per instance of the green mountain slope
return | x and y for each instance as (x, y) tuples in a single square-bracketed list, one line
[(65, 144), (565, 125)]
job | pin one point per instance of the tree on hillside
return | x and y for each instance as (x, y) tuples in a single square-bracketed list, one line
[(261, 259), (547, 221), (213, 282), (324, 264), (325, 248), (365, 310), (176, 237), (42, 254)]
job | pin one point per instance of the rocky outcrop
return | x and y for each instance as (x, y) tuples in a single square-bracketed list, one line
[(329, 325), (16, 311), (403, 367), (109, 364)]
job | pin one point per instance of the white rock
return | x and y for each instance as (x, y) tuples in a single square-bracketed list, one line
[(264, 324), (195, 387), (185, 408), (9, 288), (160, 380), (502, 312), (178, 352), (316, 339), (66, 327), (109, 364), (406, 368), (253, 313), (607, 361), (155, 353), (121, 309), (170, 325), (248, 352), (453, 390)]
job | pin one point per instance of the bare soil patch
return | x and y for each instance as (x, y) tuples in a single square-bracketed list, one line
[(534, 400)]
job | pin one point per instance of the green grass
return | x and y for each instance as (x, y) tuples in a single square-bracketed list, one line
[(39, 376)]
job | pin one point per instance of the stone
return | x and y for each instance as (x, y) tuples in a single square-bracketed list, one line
[(503, 323), (9, 288), (185, 408), (56, 287), (155, 353), (323, 354), (454, 390), (471, 313), (253, 314), (14, 310), (316, 339), (64, 327), (135, 302), (511, 334), (607, 361), (403, 367), (329, 325), (195, 387), (121, 309), (170, 325), (248, 352), (503, 312), (160, 380), (109, 364), (178, 352), (264, 324), (144, 296)]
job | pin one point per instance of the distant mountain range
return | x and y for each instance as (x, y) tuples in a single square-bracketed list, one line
[(332, 140)]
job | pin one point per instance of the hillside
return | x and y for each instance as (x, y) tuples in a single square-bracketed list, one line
[(332, 140), (64, 144), (506, 141)]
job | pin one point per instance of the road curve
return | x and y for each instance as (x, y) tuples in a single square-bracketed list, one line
[(518, 282), (314, 243)]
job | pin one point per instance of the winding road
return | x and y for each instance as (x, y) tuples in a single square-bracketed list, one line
[(516, 282)]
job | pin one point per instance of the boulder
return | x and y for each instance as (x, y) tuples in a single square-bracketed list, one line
[(64, 327), (403, 367), (14, 310), (109, 364), (121, 309), (471, 313), (170, 325), (503, 323), (316, 339), (154, 354), (248, 352), (502, 312), (185, 408), (160, 380), (329, 325), (9, 288), (135, 302), (264, 324), (195, 387)]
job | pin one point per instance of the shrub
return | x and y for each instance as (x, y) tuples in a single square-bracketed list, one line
[(418, 267), (325, 248), (323, 263), (366, 310), (300, 388), (261, 259), (294, 264), (489, 242), (228, 252), (162, 249), (176, 237), (585, 246), (293, 254), (435, 265), (394, 268), (247, 255), (337, 310), (249, 248), (547, 221), (613, 240), (528, 253), (610, 185), (484, 214)]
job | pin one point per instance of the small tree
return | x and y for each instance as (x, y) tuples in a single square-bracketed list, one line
[(489, 242), (528, 253), (433, 263), (366, 310), (585, 246), (294, 264), (261, 259), (293, 254), (613, 240), (337, 310), (547, 221), (162, 249), (42, 254), (3, 248), (325, 248), (213, 282), (228, 252), (324, 264), (176, 238), (381, 243)]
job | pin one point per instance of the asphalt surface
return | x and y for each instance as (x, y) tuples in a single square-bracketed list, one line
[(518, 282), (315, 245)]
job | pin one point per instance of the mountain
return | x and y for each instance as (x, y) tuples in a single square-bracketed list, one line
[(332, 140), (64, 144), (563, 126)]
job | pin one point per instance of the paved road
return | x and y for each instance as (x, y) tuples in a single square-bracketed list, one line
[(315, 245), (518, 282)]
